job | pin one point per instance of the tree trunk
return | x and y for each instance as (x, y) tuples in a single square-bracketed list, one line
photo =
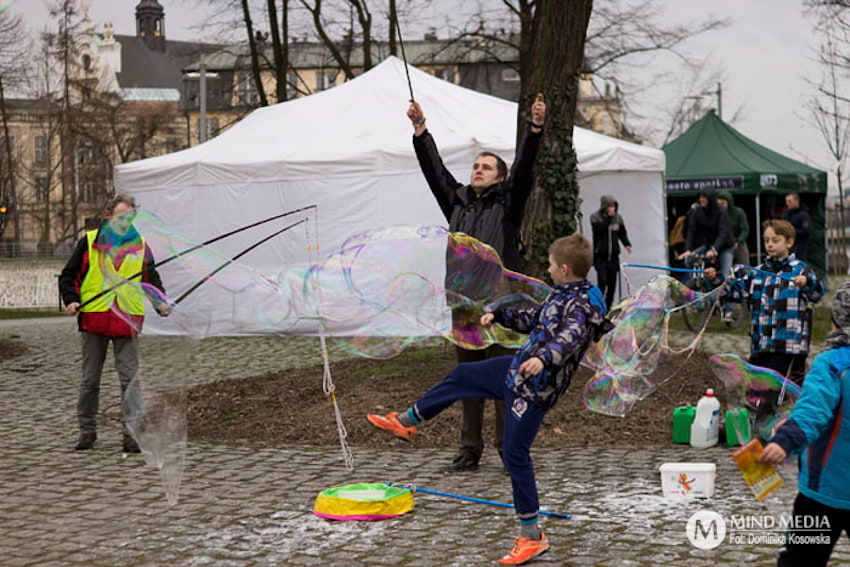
[(557, 45), (393, 18), (279, 47), (255, 59)]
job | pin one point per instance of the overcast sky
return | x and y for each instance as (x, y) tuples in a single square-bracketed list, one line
[(765, 54)]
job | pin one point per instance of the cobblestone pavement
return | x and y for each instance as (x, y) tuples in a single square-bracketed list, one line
[(250, 506)]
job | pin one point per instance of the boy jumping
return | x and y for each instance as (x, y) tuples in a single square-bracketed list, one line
[(530, 382)]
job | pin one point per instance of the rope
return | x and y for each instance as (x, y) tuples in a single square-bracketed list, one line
[(330, 390), (328, 386)]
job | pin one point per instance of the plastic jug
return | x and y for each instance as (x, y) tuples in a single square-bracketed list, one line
[(706, 425), (683, 417), (737, 427)]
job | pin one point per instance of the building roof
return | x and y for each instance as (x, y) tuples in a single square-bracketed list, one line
[(311, 55), (142, 67)]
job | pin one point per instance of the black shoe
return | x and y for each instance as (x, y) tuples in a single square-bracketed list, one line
[(86, 441), (463, 463), (130, 445)]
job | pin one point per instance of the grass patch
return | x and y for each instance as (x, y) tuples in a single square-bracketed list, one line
[(29, 313)]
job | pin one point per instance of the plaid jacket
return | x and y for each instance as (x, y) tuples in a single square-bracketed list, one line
[(559, 331), (779, 310)]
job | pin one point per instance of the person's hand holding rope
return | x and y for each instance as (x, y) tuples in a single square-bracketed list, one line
[(538, 114), (417, 118)]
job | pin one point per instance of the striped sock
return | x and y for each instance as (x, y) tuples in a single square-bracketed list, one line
[(529, 528), (408, 418)]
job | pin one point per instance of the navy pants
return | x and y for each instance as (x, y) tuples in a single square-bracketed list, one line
[(486, 380)]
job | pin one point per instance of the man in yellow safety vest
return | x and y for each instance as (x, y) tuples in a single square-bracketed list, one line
[(101, 285)]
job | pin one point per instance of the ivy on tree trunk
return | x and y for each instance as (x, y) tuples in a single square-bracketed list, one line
[(558, 34)]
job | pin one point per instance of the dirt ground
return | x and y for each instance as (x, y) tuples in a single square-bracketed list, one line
[(289, 408)]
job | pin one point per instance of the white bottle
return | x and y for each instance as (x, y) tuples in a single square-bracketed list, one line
[(706, 425)]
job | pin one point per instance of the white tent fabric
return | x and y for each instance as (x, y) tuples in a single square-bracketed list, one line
[(348, 151)]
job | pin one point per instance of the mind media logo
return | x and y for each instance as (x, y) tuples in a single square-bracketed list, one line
[(706, 529)]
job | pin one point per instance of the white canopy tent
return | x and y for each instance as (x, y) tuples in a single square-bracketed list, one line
[(348, 151)]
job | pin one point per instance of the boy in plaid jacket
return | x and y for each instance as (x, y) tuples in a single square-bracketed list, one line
[(779, 293)]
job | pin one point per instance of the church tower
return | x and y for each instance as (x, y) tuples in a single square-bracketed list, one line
[(150, 24)]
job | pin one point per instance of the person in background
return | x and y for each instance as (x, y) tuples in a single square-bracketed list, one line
[(798, 215), (609, 231), (740, 227), (709, 233)]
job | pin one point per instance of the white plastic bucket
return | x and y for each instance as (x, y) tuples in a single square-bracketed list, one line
[(688, 480)]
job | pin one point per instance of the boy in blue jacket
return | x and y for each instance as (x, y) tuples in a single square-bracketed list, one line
[(530, 382), (816, 427)]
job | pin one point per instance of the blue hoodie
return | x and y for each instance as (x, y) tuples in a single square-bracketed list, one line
[(818, 428)]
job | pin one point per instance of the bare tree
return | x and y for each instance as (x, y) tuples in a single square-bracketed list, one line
[(13, 46), (830, 106)]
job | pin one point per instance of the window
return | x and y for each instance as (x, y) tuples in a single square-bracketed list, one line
[(510, 75), (87, 62), (246, 90), (446, 73), (85, 153), (41, 158), (325, 80), (295, 85), (212, 127), (88, 191), (41, 189)]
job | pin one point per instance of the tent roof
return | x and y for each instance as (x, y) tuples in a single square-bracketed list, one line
[(712, 150), (359, 128)]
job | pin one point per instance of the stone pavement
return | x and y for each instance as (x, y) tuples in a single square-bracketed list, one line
[(250, 506)]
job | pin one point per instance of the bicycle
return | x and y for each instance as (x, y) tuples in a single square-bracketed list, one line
[(696, 314)]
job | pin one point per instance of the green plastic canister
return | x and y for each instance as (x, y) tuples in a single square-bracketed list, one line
[(683, 417), (737, 427)]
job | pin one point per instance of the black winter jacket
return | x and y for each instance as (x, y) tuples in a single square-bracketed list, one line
[(802, 221), (493, 218), (709, 226), (607, 231)]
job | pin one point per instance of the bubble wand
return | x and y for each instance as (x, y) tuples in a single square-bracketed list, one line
[(193, 248)]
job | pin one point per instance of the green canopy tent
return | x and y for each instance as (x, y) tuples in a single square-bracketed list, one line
[(713, 155)]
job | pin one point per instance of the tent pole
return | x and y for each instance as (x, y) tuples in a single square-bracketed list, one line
[(758, 228)]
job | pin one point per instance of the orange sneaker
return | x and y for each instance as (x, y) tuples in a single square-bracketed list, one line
[(525, 549), (391, 423)]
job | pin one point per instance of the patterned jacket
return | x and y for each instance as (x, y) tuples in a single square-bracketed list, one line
[(559, 331), (779, 310)]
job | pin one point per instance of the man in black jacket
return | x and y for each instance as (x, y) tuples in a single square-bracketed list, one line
[(608, 231), (798, 215), (710, 233), (490, 209)]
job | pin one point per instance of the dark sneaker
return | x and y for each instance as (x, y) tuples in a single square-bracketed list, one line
[(463, 463), (86, 441), (130, 445)]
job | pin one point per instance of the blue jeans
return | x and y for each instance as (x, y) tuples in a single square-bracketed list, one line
[(486, 380)]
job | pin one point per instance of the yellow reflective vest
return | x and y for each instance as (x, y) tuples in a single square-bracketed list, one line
[(130, 296)]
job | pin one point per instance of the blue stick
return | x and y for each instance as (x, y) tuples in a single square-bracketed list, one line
[(650, 266), (684, 270), (477, 500)]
